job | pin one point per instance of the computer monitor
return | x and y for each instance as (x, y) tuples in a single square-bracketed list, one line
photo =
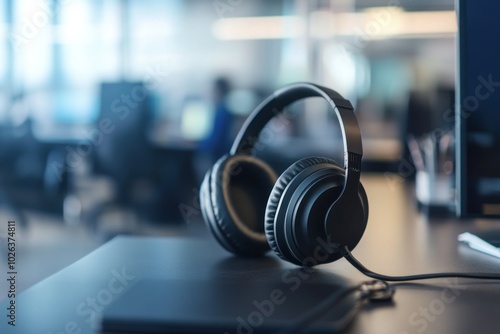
[(478, 109)]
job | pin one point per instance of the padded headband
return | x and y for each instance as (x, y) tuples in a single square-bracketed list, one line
[(274, 105)]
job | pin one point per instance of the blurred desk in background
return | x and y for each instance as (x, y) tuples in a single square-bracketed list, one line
[(170, 159), (64, 134), (379, 155), (169, 135), (177, 165)]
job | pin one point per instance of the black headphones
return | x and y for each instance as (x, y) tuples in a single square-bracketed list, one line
[(250, 210)]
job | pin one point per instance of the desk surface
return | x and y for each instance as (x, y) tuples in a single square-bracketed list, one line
[(398, 241)]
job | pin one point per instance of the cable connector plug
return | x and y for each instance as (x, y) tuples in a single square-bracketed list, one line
[(377, 291)]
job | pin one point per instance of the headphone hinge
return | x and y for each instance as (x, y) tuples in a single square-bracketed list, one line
[(342, 103), (352, 162)]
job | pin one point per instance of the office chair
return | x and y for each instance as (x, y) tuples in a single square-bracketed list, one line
[(120, 148), (26, 178)]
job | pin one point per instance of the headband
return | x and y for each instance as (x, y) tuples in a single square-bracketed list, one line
[(274, 105)]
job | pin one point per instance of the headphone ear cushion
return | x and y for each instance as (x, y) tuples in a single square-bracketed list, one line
[(277, 192), (233, 197), (209, 217)]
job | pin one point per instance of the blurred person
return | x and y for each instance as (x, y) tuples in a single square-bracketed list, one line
[(219, 140)]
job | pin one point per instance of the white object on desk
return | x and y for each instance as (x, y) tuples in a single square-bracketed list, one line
[(479, 244), (432, 188)]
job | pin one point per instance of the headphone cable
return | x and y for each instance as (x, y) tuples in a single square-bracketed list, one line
[(344, 250), (377, 290)]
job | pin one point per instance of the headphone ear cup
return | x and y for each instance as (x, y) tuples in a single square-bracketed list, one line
[(298, 207), (275, 199), (232, 198)]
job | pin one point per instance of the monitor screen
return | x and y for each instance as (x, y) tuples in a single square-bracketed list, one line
[(478, 109), (196, 120)]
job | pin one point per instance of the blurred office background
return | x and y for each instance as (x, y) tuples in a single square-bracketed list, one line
[(112, 110)]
